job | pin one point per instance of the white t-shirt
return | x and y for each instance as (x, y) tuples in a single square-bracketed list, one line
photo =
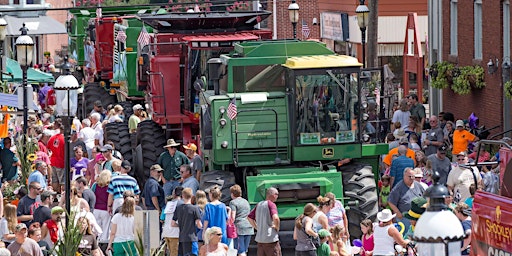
[(125, 228), (460, 179), (167, 229), (87, 135), (98, 132)]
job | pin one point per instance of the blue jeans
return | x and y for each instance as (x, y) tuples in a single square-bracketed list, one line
[(169, 187), (241, 243)]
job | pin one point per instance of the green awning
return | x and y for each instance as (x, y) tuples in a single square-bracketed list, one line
[(33, 76)]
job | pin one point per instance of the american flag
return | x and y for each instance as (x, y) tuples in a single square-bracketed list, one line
[(144, 37), (305, 29), (98, 12), (121, 36), (232, 111)]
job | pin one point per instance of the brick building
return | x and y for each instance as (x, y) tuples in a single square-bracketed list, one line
[(474, 33), (46, 27), (283, 29)]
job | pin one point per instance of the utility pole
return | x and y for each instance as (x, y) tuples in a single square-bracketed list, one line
[(373, 25)]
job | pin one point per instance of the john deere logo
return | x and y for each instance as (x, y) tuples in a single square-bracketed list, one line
[(327, 152)]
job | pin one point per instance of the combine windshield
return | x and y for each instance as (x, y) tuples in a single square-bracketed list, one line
[(325, 108)]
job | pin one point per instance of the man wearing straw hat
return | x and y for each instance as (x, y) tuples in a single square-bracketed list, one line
[(170, 161)]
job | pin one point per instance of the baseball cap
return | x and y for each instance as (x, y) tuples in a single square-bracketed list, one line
[(459, 123), (403, 141), (418, 173), (97, 103), (126, 165), (442, 148), (106, 148), (57, 210), (137, 107), (462, 153), (46, 194), (20, 226), (322, 233), (156, 167), (191, 146)]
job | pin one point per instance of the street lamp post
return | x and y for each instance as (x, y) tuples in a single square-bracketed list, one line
[(438, 231), (24, 54), (362, 12), (293, 11), (66, 89), (3, 34)]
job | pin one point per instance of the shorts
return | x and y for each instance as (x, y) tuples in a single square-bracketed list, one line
[(188, 249), (124, 248), (241, 243), (269, 249), (172, 245), (58, 175)]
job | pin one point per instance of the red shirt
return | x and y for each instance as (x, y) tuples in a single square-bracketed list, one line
[(53, 229), (56, 146)]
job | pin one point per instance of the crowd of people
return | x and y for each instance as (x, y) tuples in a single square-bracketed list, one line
[(103, 194)]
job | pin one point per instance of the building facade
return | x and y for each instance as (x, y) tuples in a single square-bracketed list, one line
[(474, 33)]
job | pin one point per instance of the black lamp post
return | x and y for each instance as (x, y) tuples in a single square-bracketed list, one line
[(293, 11), (3, 34), (438, 231), (362, 12), (66, 89), (24, 54)]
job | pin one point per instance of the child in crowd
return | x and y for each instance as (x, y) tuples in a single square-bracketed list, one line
[(384, 191), (323, 249), (413, 142), (340, 239), (427, 173), (367, 238), (462, 212), (469, 200)]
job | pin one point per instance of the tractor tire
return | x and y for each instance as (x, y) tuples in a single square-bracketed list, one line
[(222, 179), (118, 133), (359, 185), (151, 138), (94, 92), (127, 109)]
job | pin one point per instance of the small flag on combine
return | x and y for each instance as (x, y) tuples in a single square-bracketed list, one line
[(144, 37), (121, 36), (98, 12), (232, 111), (305, 29)]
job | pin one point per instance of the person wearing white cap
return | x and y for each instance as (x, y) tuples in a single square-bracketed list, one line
[(461, 138), (386, 235), (136, 118), (461, 178)]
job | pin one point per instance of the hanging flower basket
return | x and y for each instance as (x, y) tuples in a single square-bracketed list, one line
[(507, 87), (442, 74)]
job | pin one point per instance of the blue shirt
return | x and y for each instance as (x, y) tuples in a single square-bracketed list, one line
[(192, 183), (398, 166), (37, 176), (120, 183), (153, 189)]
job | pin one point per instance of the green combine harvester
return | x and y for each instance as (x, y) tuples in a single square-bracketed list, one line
[(298, 115)]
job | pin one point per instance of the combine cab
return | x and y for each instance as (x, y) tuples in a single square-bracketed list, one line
[(297, 118), (492, 213)]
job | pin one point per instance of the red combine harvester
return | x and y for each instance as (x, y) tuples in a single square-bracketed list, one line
[(491, 232), (172, 63)]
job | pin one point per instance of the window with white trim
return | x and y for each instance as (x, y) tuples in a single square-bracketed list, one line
[(478, 29), (453, 27)]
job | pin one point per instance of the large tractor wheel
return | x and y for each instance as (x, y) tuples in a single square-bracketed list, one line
[(222, 179), (118, 133), (94, 92), (151, 138), (128, 109), (359, 186)]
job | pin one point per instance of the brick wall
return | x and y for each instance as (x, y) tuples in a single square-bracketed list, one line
[(308, 11), (51, 43), (485, 103)]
